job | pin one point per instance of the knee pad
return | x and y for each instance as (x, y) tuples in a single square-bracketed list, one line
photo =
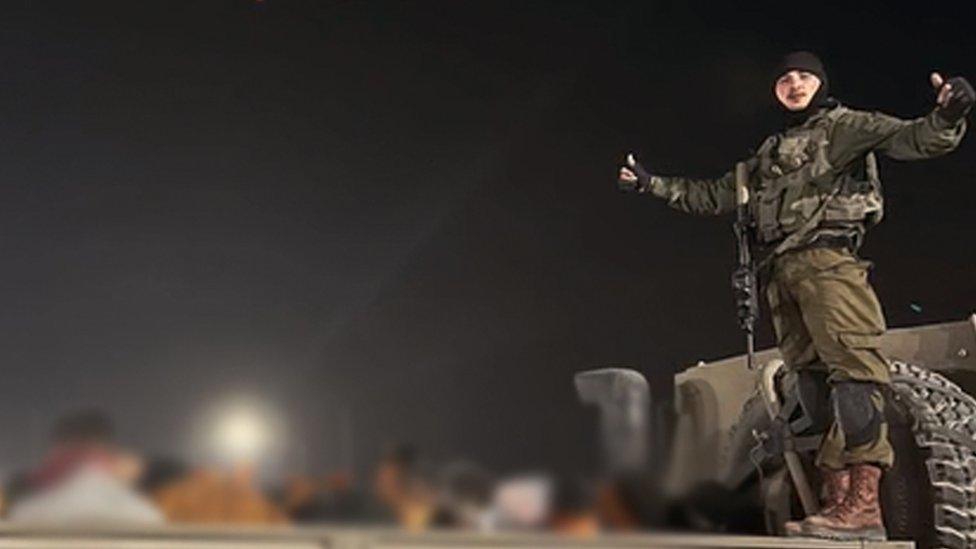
[(813, 392), (856, 411)]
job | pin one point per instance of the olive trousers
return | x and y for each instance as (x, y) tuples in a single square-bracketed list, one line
[(827, 316)]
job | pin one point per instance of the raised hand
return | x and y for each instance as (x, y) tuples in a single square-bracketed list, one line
[(633, 176), (955, 97)]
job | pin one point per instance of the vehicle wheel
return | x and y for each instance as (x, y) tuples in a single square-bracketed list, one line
[(930, 493)]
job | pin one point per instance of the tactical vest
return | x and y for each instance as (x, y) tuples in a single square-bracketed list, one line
[(797, 190)]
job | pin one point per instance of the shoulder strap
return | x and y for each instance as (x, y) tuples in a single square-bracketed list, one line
[(836, 112), (871, 167), (767, 144)]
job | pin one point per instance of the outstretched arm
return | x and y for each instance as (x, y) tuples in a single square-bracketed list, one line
[(932, 135), (696, 196)]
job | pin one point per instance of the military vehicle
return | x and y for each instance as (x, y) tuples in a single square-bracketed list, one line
[(724, 444)]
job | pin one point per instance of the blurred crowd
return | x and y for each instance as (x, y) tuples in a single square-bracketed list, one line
[(87, 477)]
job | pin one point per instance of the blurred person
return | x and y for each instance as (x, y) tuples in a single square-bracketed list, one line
[(464, 497), (630, 502), (403, 490), (300, 493), (85, 477), (574, 511), (160, 472), (522, 503), (15, 487), (329, 499), (391, 470), (214, 497), (83, 437)]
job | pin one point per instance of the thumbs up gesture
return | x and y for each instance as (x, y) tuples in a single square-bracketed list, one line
[(955, 97), (633, 176)]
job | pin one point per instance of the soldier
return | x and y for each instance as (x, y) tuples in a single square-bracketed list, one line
[(814, 192)]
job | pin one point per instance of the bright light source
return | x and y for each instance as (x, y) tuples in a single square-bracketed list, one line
[(242, 433), (242, 428)]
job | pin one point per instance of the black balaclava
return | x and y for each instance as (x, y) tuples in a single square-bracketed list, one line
[(808, 62)]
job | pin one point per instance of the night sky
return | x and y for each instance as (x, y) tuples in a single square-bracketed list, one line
[(404, 213)]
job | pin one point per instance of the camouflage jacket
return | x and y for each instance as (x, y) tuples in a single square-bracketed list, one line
[(822, 173)]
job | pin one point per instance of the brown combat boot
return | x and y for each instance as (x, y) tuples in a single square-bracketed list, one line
[(858, 517), (833, 489)]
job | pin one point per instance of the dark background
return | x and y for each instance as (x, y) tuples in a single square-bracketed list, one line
[(404, 213)]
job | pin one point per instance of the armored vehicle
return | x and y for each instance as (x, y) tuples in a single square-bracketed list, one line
[(722, 448)]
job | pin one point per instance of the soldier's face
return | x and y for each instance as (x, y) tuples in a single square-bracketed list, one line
[(796, 89)]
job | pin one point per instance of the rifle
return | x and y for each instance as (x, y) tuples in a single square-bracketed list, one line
[(745, 285), (744, 280)]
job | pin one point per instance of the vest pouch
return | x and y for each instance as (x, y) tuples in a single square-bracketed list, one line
[(854, 208), (766, 213), (860, 200), (800, 203)]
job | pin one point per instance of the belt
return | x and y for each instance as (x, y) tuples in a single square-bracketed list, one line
[(837, 241), (832, 241)]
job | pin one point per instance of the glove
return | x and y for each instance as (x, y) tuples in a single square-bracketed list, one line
[(641, 180), (958, 101)]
